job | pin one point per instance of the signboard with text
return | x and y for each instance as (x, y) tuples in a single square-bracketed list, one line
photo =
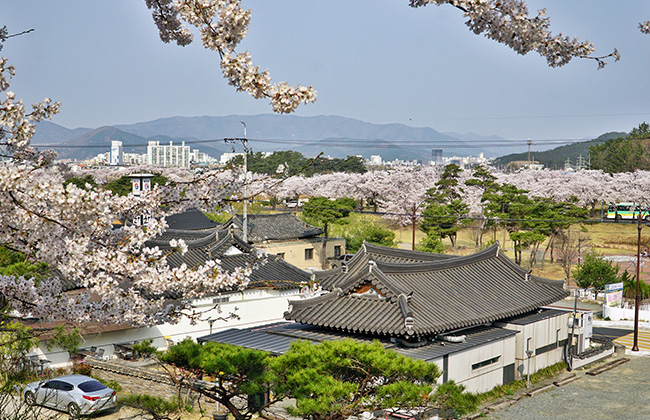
[(614, 294)]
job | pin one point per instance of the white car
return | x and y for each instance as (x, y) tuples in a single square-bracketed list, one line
[(75, 394)]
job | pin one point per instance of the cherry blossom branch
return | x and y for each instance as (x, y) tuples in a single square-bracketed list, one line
[(644, 27), (508, 22), (223, 24)]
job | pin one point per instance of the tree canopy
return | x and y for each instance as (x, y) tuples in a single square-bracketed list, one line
[(286, 163), (237, 372), (595, 272), (624, 154)]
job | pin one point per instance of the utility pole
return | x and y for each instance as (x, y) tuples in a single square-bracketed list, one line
[(245, 227), (637, 299), (244, 142), (529, 143)]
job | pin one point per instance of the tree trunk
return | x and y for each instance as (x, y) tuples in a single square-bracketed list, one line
[(413, 241)]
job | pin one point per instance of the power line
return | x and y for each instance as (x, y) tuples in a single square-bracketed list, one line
[(356, 143)]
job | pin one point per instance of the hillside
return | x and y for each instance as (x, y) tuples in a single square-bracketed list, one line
[(333, 135), (557, 157)]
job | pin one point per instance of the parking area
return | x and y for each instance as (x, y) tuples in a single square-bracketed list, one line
[(620, 393)]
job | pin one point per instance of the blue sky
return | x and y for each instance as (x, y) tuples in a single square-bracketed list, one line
[(375, 60)]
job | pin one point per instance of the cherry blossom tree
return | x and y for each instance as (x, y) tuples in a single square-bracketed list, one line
[(404, 196), (71, 229)]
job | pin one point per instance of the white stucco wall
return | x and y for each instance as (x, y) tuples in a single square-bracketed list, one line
[(620, 314), (484, 378), (546, 332), (253, 306)]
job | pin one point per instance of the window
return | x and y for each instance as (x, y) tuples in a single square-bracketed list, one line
[(221, 299), (337, 251), (309, 253), (281, 255), (485, 362)]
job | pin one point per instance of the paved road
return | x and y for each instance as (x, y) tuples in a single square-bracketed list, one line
[(621, 393), (625, 337)]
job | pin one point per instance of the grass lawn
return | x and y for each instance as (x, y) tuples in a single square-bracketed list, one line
[(605, 238)]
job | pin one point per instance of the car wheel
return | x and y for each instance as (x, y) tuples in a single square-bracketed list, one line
[(30, 398), (74, 410)]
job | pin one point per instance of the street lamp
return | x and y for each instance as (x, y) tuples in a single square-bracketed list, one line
[(637, 298), (529, 353)]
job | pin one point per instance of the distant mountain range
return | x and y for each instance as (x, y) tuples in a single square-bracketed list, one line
[(332, 135)]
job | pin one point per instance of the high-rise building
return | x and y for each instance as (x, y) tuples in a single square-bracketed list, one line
[(116, 157), (375, 159), (436, 157), (168, 156)]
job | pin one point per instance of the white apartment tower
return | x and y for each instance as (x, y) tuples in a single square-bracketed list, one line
[(168, 156), (117, 154)]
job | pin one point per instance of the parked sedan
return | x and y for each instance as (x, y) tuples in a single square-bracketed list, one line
[(75, 394)]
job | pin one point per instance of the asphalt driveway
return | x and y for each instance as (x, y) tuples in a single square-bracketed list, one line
[(620, 393)]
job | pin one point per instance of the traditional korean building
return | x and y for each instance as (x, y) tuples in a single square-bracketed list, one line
[(474, 316), (288, 237), (272, 282)]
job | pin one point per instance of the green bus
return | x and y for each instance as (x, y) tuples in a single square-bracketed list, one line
[(627, 211)]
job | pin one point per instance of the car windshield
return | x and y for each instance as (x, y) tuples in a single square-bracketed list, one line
[(91, 386)]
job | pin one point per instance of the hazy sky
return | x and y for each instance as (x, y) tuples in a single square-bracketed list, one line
[(375, 60)]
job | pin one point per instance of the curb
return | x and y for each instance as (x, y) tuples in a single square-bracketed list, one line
[(567, 380), (606, 367), (539, 390)]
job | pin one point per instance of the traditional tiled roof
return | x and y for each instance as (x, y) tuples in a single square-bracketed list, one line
[(273, 227), (329, 279), (423, 299), (191, 219), (272, 272), (276, 339)]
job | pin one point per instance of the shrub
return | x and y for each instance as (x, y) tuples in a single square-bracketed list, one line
[(112, 384), (150, 403), (144, 348), (81, 368)]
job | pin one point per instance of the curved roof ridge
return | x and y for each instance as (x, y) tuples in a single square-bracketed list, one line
[(405, 253), (229, 239), (191, 243), (514, 266), (321, 274), (352, 281), (407, 315), (457, 261), (544, 280), (388, 284), (311, 301), (190, 232)]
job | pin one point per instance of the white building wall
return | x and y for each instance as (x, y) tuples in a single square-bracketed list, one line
[(253, 306), (544, 338), (481, 379)]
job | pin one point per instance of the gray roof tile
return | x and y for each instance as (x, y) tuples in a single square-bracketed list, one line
[(436, 296), (273, 227), (276, 338)]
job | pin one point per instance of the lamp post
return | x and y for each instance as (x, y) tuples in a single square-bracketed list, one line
[(637, 299), (529, 353)]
